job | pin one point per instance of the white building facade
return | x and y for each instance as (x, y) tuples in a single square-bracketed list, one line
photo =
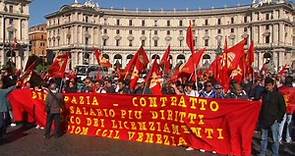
[(81, 28), (14, 27)]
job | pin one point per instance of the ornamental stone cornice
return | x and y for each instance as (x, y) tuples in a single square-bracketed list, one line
[(105, 37), (232, 36), (206, 37), (168, 38), (267, 33), (156, 38), (118, 37), (245, 35), (87, 35), (143, 38), (180, 38), (130, 38)]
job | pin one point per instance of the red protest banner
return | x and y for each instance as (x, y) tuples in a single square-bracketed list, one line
[(224, 126)]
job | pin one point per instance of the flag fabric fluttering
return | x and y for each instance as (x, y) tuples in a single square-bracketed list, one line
[(102, 61), (154, 78), (136, 66), (190, 41), (165, 61), (58, 67)]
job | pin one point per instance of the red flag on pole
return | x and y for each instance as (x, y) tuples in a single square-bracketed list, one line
[(141, 61), (250, 59), (190, 41), (58, 67), (165, 61), (153, 79), (102, 61), (190, 66)]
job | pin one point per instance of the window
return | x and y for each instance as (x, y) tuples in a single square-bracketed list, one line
[(180, 23), (206, 31), (156, 23), (232, 20), (117, 43), (267, 27), (180, 43), (267, 39), (267, 17), (130, 22), (11, 21), (86, 19), (206, 21), (219, 31), (232, 30), (117, 31), (206, 42), (219, 21), (143, 23), (105, 31), (11, 8), (142, 32), (118, 22), (180, 32), (155, 32), (130, 43), (143, 43), (155, 43), (42, 37), (245, 29), (130, 32), (104, 42), (168, 32), (245, 19), (86, 40), (194, 22), (168, 23)]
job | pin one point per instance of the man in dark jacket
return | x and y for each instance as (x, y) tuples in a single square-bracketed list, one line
[(4, 108), (54, 103), (272, 112)]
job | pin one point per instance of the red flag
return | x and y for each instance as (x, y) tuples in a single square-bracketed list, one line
[(189, 68), (153, 79), (190, 41), (192, 62), (284, 70), (102, 61), (165, 62), (58, 67), (233, 55), (238, 74), (289, 97), (250, 60), (215, 67), (141, 61)]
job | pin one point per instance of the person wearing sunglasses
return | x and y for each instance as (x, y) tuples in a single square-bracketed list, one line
[(219, 91), (208, 91)]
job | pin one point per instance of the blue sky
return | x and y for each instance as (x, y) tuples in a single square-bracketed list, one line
[(40, 8)]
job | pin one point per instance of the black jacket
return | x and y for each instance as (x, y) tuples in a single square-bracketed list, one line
[(273, 108)]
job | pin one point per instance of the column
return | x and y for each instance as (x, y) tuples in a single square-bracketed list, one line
[(275, 34), (74, 59), (275, 59), (18, 29), (74, 34), (281, 34)]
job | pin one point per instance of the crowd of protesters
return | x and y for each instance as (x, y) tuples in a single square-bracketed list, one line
[(273, 116)]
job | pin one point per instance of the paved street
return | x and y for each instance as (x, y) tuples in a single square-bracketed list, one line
[(30, 142)]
